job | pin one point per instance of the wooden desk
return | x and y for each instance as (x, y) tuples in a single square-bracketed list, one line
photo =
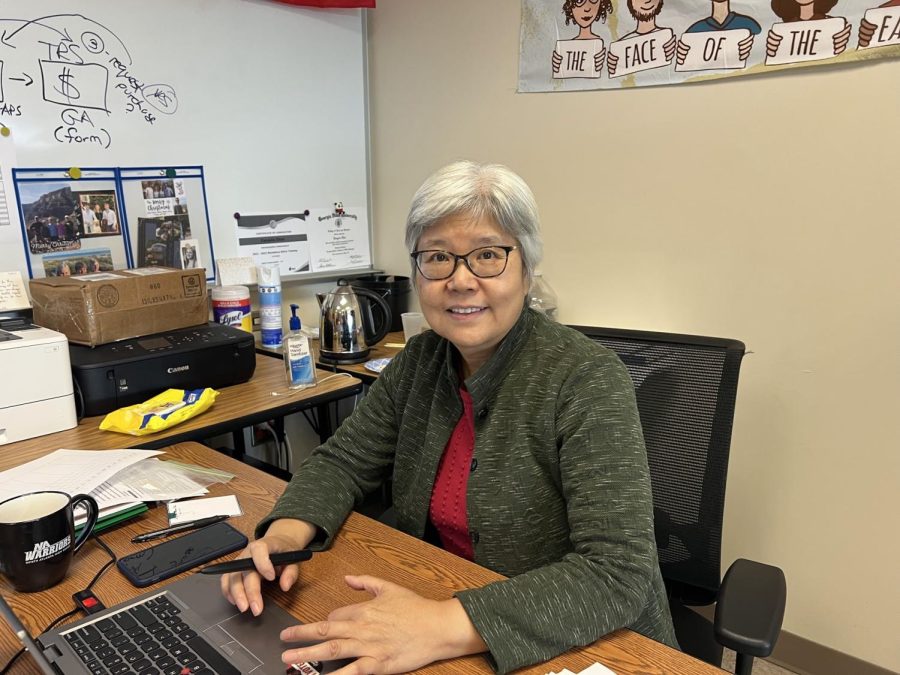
[(379, 351), (363, 546), (263, 397)]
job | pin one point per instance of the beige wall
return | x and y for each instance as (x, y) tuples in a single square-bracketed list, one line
[(765, 209)]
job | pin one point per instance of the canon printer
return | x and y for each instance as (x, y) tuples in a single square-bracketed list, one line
[(131, 371)]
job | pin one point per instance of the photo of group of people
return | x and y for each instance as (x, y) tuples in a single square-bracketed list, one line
[(164, 236), (98, 213), (158, 189), (71, 264), (60, 216)]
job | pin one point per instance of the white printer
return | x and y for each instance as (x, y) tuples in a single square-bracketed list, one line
[(36, 397)]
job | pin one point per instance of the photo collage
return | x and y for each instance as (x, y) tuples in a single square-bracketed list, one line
[(70, 229), (164, 235)]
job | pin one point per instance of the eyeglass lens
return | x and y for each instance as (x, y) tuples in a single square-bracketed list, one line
[(489, 261)]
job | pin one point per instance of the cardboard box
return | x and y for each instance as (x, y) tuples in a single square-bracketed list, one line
[(93, 309)]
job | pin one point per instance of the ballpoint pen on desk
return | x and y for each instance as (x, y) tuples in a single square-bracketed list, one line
[(174, 529), (243, 564)]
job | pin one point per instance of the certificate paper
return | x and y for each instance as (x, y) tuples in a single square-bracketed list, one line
[(338, 238), (275, 239)]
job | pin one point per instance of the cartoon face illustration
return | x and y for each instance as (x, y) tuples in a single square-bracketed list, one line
[(645, 10), (585, 12), (582, 12), (802, 10)]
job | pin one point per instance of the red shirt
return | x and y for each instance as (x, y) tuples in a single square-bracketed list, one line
[(448, 497)]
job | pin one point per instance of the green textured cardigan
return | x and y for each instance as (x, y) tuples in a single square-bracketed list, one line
[(559, 499)]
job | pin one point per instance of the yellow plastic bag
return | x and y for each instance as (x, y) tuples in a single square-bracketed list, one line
[(169, 408)]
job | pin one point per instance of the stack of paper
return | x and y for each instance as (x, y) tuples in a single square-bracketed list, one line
[(120, 480), (111, 515)]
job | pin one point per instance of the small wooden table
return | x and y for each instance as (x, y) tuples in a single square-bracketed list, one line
[(362, 546)]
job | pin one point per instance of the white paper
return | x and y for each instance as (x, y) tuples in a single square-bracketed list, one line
[(338, 238), (164, 206), (236, 271), (100, 276), (8, 203), (148, 271), (12, 291), (578, 58), (641, 52), (805, 40), (195, 509), (596, 669), (278, 239), (69, 471), (593, 669), (887, 26), (713, 50), (81, 512), (152, 480)]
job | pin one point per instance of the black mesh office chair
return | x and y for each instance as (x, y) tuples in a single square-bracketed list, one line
[(686, 388)]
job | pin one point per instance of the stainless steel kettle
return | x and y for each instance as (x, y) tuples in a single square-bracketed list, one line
[(347, 325)]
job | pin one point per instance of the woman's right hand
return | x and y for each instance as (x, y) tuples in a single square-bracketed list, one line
[(244, 589)]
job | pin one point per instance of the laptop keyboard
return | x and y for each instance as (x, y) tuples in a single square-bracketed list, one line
[(148, 639)]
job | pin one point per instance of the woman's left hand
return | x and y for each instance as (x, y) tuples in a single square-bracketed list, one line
[(395, 632)]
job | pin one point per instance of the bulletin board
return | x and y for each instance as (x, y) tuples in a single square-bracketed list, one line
[(167, 220), (270, 100), (64, 231)]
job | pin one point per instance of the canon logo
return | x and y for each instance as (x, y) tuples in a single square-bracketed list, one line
[(178, 369)]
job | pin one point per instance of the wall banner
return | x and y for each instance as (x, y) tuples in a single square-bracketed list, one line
[(571, 45)]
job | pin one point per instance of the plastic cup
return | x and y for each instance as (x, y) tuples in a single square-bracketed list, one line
[(413, 324)]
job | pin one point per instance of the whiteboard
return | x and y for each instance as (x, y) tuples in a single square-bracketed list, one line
[(269, 99)]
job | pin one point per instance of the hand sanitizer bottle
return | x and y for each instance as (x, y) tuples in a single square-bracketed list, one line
[(298, 360)]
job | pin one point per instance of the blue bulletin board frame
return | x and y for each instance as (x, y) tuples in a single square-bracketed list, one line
[(138, 229)]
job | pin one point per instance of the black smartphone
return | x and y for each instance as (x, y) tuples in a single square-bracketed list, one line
[(177, 555)]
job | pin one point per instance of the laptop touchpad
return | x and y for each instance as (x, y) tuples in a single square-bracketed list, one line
[(237, 654)]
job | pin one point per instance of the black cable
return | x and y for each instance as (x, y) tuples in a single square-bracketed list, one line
[(109, 563), (73, 612)]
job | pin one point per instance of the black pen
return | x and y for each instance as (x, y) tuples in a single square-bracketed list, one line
[(181, 527), (243, 564)]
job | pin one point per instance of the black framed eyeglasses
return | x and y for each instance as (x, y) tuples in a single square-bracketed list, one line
[(484, 262)]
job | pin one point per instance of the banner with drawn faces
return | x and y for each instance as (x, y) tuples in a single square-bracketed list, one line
[(604, 44)]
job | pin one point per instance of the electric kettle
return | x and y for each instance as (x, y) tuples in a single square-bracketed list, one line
[(347, 324)]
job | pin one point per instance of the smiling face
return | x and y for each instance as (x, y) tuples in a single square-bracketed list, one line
[(645, 10), (474, 314), (586, 13)]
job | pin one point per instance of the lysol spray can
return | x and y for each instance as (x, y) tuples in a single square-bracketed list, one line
[(269, 282)]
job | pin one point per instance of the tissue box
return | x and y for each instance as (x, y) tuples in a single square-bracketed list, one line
[(93, 309)]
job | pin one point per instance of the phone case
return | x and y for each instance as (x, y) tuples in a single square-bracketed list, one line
[(180, 554)]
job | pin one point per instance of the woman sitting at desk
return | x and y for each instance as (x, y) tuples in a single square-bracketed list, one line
[(512, 441)]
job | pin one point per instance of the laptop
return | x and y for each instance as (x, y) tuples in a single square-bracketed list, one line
[(184, 625)]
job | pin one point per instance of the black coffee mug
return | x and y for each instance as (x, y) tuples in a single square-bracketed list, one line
[(37, 537)]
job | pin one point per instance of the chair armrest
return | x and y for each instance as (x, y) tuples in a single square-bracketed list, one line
[(750, 607)]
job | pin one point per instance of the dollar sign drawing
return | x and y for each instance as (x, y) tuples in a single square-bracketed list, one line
[(66, 88)]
